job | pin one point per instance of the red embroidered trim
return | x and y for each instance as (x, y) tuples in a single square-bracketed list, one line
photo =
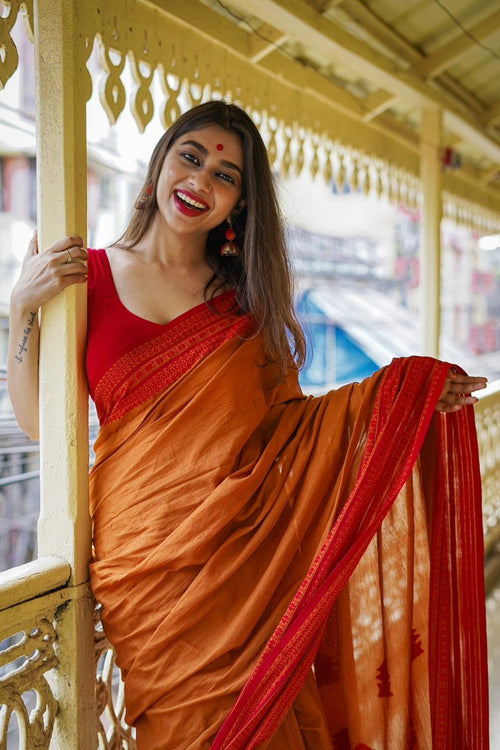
[(416, 645), (384, 681), (158, 363), (457, 643)]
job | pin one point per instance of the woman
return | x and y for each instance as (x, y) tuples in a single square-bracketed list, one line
[(274, 571)]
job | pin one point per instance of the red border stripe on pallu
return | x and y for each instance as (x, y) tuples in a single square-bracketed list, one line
[(270, 690)]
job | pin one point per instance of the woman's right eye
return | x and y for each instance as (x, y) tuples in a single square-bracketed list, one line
[(190, 157)]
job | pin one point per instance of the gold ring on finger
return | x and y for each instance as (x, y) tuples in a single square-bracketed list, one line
[(70, 258)]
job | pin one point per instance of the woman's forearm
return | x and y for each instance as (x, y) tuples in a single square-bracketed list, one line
[(22, 367), (42, 277)]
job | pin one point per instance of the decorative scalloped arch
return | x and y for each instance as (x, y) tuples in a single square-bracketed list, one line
[(300, 131)]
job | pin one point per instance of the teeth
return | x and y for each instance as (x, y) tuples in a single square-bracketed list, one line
[(190, 201)]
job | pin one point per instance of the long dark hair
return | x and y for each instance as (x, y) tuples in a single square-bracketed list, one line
[(261, 274)]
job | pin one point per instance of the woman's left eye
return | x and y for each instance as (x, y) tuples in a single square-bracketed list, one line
[(226, 177)]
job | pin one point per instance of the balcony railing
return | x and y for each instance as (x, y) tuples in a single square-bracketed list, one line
[(487, 412), (34, 601)]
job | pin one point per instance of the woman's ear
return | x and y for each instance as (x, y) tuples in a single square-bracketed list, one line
[(238, 208)]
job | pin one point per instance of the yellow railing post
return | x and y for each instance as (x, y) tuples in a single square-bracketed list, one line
[(64, 526), (430, 236)]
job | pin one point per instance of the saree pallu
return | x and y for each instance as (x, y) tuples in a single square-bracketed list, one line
[(286, 572)]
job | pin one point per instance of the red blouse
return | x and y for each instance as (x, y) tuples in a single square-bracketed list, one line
[(112, 329)]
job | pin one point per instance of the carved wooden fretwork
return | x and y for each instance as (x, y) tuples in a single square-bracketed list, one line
[(487, 414), (9, 57), (27, 704), (112, 729), (466, 213), (300, 130)]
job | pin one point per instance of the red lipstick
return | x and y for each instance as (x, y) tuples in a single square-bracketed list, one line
[(189, 204)]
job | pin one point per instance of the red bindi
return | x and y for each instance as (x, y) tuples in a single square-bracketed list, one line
[(220, 147)]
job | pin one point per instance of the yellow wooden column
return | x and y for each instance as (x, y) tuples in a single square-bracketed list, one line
[(430, 237), (64, 527)]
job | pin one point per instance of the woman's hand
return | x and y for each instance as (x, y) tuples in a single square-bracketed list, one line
[(457, 391), (43, 275)]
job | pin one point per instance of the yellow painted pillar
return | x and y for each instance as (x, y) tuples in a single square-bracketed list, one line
[(430, 237), (64, 527)]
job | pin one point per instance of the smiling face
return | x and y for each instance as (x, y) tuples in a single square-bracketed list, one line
[(200, 182)]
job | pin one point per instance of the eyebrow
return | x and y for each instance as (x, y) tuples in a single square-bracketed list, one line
[(204, 151)]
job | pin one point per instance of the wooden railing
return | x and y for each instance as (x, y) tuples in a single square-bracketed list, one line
[(31, 598), (487, 412), (34, 599)]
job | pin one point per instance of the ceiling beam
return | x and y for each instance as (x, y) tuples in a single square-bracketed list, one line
[(294, 76), (322, 5), (244, 44), (397, 45), (216, 27), (300, 21), (492, 115), (373, 24), (489, 175), (449, 53), (446, 82), (266, 41), (302, 78), (207, 22), (377, 103)]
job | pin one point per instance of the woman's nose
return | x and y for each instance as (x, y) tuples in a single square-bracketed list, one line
[(202, 180)]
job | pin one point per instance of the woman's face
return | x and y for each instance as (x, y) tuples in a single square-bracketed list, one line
[(201, 180)]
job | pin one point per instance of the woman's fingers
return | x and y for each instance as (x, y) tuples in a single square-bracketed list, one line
[(65, 252), (45, 274), (459, 383), (73, 243), (33, 245), (458, 390), (72, 256), (68, 250)]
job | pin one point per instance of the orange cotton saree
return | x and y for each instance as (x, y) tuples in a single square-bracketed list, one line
[(286, 572)]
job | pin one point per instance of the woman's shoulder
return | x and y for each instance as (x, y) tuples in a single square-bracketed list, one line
[(97, 257), (98, 265)]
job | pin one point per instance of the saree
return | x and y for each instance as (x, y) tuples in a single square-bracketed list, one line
[(283, 571)]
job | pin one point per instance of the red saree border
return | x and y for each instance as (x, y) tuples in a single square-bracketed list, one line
[(403, 411), (457, 542), (156, 364)]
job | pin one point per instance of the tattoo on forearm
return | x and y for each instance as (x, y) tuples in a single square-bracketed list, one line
[(22, 346)]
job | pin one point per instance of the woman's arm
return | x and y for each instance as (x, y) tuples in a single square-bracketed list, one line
[(43, 275)]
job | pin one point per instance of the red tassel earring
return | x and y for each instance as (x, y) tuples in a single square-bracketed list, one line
[(145, 198), (230, 247)]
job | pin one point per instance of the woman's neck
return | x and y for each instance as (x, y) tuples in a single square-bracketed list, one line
[(162, 246)]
